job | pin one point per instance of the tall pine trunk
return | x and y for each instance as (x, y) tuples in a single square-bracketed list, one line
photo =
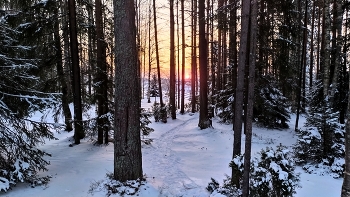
[(162, 114), (237, 125), (204, 121), (182, 108), (78, 117), (60, 74), (250, 103), (172, 62), (194, 56), (102, 100), (127, 146)]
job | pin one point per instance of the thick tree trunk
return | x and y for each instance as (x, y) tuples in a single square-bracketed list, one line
[(60, 73), (127, 146), (172, 62), (237, 125), (78, 117), (204, 121)]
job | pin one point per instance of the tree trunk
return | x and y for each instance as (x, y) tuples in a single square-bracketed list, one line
[(127, 146), (172, 62), (233, 41), (251, 82), (345, 191), (302, 70), (78, 117), (178, 54), (182, 110), (312, 46), (325, 66), (163, 115), (337, 44), (204, 121), (60, 73), (194, 56), (325, 56), (102, 100), (237, 126), (149, 55)]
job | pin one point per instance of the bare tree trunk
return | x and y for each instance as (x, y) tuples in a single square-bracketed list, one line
[(91, 47), (326, 39), (251, 84), (163, 115), (319, 46), (149, 54), (204, 121), (102, 100), (237, 126), (345, 191), (178, 53), (127, 146), (221, 26), (182, 111), (194, 56), (78, 117), (60, 74), (302, 70), (337, 44), (325, 65), (312, 46), (172, 62)]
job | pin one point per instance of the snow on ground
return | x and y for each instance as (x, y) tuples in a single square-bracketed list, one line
[(179, 162)]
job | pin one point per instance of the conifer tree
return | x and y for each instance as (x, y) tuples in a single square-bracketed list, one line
[(22, 87)]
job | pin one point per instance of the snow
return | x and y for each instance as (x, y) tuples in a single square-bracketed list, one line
[(179, 162)]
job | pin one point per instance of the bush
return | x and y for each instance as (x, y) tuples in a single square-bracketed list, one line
[(271, 174)]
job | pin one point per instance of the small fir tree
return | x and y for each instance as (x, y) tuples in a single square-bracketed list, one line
[(310, 147), (154, 90)]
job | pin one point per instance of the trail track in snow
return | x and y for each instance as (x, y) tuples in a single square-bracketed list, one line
[(166, 173)]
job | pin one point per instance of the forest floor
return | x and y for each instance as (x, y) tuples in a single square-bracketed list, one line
[(179, 162)]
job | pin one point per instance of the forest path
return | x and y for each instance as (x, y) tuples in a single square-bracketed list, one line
[(165, 168)]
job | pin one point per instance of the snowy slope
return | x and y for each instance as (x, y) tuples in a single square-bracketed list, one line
[(179, 162)]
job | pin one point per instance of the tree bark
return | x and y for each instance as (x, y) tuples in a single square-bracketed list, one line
[(102, 100), (163, 115), (60, 73), (204, 121), (127, 146), (302, 69), (345, 191), (172, 62), (237, 126), (194, 56), (251, 84), (182, 108), (78, 117)]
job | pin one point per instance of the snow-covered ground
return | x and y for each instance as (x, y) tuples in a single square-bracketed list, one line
[(179, 162)]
